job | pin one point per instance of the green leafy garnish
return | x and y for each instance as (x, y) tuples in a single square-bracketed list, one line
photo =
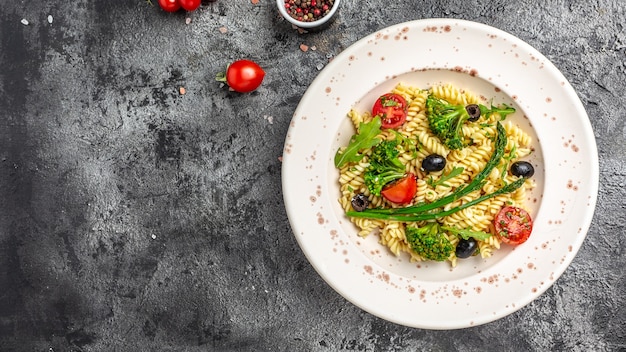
[(503, 111), (442, 180), (365, 138), (388, 102)]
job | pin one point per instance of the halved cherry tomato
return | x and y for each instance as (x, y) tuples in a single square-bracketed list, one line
[(392, 109), (513, 225), (189, 5), (169, 5), (401, 191), (243, 76)]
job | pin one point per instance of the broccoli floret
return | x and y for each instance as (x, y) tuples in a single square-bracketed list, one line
[(385, 166), (429, 242), (446, 120)]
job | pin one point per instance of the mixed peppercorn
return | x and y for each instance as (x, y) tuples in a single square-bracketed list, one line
[(308, 10)]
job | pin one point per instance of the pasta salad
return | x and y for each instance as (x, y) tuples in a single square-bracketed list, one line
[(436, 174)]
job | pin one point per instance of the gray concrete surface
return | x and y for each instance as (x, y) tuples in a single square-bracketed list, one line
[(134, 218)]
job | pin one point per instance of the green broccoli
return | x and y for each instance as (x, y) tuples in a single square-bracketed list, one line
[(429, 242), (385, 166), (445, 120)]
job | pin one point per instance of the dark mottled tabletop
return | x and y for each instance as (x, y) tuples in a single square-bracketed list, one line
[(138, 217)]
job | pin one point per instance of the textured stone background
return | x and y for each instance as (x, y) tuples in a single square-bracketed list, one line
[(133, 218)]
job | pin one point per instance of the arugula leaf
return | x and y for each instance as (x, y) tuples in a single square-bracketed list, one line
[(442, 181), (467, 233), (503, 110), (363, 139)]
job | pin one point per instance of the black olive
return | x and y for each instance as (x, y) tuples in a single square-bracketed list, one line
[(360, 202), (433, 162), (522, 169), (473, 111), (466, 248)]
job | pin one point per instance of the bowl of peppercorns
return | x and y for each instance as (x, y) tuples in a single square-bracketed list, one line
[(308, 14)]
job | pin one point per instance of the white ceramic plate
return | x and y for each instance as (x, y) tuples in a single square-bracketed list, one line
[(486, 61)]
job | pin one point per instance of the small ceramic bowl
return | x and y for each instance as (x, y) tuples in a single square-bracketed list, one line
[(318, 24)]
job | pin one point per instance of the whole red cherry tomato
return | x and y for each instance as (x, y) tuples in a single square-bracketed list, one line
[(401, 191), (189, 5), (513, 225), (169, 5), (392, 109), (243, 76)]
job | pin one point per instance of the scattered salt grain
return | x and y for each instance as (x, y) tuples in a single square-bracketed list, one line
[(269, 118), (24, 21), (187, 20), (319, 67), (153, 236), (223, 30), (50, 19)]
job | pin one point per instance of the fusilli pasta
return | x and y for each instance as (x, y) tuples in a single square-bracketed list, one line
[(472, 159)]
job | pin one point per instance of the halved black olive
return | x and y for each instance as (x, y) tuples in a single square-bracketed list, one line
[(433, 162), (360, 202), (522, 169), (473, 111)]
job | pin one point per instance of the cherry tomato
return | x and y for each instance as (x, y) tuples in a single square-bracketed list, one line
[(513, 225), (401, 191), (169, 5), (243, 76), (392, 109), (189, 5)]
